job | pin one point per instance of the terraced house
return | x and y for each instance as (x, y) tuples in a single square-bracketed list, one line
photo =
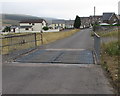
[(58, 24), (69, 24), (85, 22), (96, 18), (110, 18)]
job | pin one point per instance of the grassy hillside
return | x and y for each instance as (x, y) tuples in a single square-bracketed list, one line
[(13, 19), (7, 22), (17, 17)]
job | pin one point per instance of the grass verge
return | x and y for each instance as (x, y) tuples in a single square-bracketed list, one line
[(53, 36), (106, 33), (110, 62)]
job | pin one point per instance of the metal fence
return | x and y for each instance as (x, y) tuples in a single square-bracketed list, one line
[(19, 42), (97, 47)]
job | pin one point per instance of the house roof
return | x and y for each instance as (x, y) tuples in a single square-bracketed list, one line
[(58, 21), (85, 17), (69, 22), (96, 16), (107, 16), (32, 21), (25, 26)]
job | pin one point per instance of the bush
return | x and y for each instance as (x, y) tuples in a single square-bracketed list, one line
[(7, 29), (45, 28)]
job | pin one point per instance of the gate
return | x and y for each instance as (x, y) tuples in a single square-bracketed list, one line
[(19, 42)]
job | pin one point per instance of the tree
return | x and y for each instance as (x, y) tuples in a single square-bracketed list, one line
[(77, 22), (7, 29), (45, 28)]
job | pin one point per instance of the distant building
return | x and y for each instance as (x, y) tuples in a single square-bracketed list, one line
[(57, 24), (119, 8), (96, 18), (85, 22), (32, 25), (69, 24), (109, 18), (15, 29)]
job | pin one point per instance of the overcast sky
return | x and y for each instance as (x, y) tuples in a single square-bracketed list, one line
[(63, 9)]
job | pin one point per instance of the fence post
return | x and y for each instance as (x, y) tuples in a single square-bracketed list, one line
[(35, 39), (97, 47), (41, 38)]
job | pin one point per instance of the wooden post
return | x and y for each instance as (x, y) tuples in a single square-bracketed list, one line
[(35, 40), (41, 38)]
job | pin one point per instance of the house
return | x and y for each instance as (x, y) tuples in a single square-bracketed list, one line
[(32, 25), (119, 17), (85, 22), (96, 18), (58, 24), (69, 24), (109, 18), (15, 29), (2, 28)]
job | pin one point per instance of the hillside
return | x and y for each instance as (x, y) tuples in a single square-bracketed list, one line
[(13, 19)]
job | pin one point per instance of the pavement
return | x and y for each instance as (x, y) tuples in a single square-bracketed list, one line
[(62, 67)]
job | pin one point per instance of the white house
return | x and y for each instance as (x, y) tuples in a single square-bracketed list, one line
[(57, 24), (32, 25), (69, 24)]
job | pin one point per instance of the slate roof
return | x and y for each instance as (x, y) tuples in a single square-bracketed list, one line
[(32, 21), (58, 21), (69, 22), (96, 16), (107, 16), (25, 26)]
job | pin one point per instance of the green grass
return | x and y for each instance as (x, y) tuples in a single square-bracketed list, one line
[(112, 48), (108, 34), (15, 34), (110, 62), (92, 34)]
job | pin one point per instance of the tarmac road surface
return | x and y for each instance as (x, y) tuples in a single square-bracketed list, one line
[(62, 67)]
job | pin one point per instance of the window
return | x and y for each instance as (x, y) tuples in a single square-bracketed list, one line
[(29, 23), (26, 28), (114, 19), (33, 24)]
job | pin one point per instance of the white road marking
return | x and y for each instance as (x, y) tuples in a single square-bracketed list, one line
[(64, 49)]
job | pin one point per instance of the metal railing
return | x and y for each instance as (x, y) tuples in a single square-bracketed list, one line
[(97, 47), (19, 42)]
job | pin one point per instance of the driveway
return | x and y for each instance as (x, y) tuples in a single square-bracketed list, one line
[(62, 67)]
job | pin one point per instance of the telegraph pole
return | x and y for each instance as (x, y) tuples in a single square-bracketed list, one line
[(94, 26), (94, 13)]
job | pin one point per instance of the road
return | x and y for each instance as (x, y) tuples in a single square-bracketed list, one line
[(56, 69)]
